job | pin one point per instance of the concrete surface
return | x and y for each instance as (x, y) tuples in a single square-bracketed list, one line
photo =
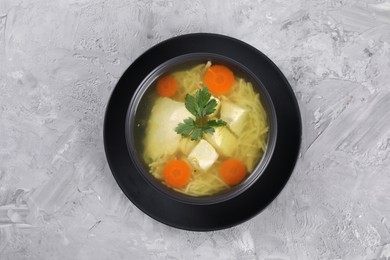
[(59, 62)]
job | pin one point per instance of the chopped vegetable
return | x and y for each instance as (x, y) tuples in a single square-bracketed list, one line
[(232, 171), (219, 79), (176, 173), (167, 86), (200, 105)]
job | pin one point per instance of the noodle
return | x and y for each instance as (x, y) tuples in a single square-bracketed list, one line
[(251, 142)]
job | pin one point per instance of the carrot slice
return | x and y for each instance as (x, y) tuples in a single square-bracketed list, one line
[(232, 171), (176, 173), (167, 86), (219, 79)]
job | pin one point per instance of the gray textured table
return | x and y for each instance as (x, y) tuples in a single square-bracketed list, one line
[(59, 62)]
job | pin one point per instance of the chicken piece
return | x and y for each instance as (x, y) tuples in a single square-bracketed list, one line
[(223, 141), (161, 137), (234, 116), (203, 156)]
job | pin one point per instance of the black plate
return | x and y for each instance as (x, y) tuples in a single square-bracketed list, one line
[(228, 213)]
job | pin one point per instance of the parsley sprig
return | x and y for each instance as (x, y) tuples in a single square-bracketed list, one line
[(200, 105)]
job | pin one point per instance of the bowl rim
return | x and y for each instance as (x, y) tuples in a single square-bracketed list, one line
[(265, 101)]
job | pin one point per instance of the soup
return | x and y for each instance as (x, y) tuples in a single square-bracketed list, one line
[(206, 131)]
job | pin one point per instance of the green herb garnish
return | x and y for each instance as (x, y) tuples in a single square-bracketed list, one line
[(200, 105)]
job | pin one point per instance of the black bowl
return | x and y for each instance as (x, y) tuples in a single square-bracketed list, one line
[(140, 108), (237, 204)]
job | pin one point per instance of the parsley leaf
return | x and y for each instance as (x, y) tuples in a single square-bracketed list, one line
[(202, 98), (209, 108), (216, 123), (198, 133), (186, 128), (200, 105), (192, 106)]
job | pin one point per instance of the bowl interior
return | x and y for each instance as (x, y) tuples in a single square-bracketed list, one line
[(141, 105)]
